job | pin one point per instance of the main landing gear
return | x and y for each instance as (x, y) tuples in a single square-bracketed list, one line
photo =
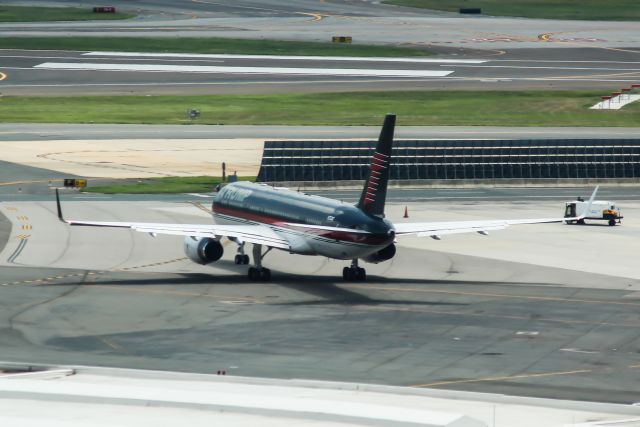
[(259, 273), (354, 273)]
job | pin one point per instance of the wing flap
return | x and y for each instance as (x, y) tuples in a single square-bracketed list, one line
[(441, 232), (435, 229), (257, 234)]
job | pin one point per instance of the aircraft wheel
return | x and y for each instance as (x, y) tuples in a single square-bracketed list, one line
[(357, 274), (238, 259), (245, 259), (259, 274)]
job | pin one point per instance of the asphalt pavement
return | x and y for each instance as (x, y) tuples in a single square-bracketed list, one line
[(82, 73), (549, 311), (367, 22), (501, 53), (437, 316), (64, 131)]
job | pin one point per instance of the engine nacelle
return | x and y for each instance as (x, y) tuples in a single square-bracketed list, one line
[(203, 250), (384, 254)]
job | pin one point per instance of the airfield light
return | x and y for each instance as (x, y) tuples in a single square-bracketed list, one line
[(625, 90)]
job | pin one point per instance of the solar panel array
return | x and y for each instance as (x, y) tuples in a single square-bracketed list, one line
[(453, 159)]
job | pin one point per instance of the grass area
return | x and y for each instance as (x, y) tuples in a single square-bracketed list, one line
[(40, 14), (612, 10), (190, 184), (207, 45), (481, 108)]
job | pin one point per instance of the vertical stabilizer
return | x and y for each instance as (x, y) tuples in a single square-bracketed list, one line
[(374, 193)]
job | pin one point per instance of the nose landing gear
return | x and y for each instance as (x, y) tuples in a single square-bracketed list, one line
[(241, 257), (259, 273), (354, 273)]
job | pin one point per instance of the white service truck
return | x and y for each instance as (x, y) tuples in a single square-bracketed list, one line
[(600, 210)]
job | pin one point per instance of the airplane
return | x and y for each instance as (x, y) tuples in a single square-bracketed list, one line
[(276, 218)]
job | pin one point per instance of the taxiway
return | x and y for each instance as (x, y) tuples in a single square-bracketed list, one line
[(524, 311)]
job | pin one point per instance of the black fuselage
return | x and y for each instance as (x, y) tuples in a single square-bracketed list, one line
[(255, 203)]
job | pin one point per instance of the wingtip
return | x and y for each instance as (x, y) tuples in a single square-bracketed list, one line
[(59, 207)]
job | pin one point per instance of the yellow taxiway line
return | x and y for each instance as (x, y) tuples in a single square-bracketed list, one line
[(502, 378)]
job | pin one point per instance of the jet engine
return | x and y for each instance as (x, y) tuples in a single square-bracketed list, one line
[(203, 250), (384, 254)]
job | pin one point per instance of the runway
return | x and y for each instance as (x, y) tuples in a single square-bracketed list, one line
[(483, 52), (518, 312), (82, 73)]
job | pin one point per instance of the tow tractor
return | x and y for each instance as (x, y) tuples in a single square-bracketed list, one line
[(601, 210)]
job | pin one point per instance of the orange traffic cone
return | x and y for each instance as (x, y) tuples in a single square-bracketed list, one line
[(406, 212)]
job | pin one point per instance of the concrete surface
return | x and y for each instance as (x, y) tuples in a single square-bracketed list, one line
[(125, 158), (616, 103), (535, 311), (70, 395)]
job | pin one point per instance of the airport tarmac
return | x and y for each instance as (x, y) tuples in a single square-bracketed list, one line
[(28, 72), (532, 310), (367, 22), (491, 53), (549, 311)]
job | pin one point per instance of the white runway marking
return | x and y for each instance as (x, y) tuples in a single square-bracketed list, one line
[(159, 68), (284, 57), (208, 196), (575, 350), (546, 68)]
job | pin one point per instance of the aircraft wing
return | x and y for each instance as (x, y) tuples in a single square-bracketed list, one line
[(257, 234), (436, 229)]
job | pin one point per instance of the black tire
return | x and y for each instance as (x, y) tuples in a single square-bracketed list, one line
[(346, 273), (238, 259), (253, 273), (361, 274), (245, 259), (265, 274), (612, 222)]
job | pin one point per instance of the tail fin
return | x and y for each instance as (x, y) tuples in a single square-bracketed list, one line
[(375, 189)]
